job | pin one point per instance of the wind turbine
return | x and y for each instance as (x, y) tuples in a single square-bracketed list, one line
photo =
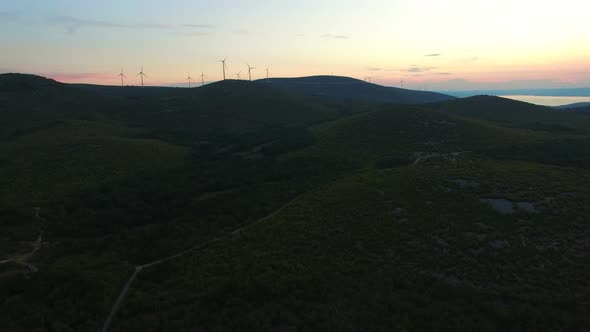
[(266, 73), (238, 75), (250, 71), (122, 77), (401, 83), (224, 67), (141, 74), (202, 79), (189, 78)]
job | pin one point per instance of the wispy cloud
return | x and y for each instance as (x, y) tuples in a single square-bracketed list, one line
[(331, 36), (80, 77), (73, 24), (374, 68), (198, 26), (433, 54), (426, 74), (467, 60), (151, 26), (416, 69), (195, 34)]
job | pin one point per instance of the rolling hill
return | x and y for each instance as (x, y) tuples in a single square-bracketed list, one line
[(573, 106), (346, 89), (580, 108), (514, 113), (249, 206)]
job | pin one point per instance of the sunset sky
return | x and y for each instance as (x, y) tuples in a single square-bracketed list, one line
[(444, 45)]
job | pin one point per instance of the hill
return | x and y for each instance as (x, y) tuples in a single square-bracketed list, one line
[(14, 82), (579, 108), (573, 106), (561, 92), (409, 248), (345, 89), (247, 206), (514, 113)]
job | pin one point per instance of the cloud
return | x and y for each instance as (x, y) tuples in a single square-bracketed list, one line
[(198, 26), (467, 60), (416, 69), (442, 74), (331, 36), (433, 54), (80, 77), (195, 34), (242, 32), (73, 24), (373, 69), (151, 26)]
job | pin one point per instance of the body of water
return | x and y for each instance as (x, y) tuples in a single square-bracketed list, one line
[(549, 100)]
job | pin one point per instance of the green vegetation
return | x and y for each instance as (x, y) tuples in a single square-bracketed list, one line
[(405, 248), (377, 215)]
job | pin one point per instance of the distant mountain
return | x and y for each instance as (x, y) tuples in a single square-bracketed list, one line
[(346, 89), (573, 106), (575, 92), (514, 113)]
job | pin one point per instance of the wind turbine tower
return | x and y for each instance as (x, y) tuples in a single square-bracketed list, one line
[(202, 79), (238, 75), (266, 73), (122, 77), (189, 78), (250, 72), (224, 67), (141, 74)]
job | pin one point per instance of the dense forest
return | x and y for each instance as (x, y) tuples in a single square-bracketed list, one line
[(282, 211)]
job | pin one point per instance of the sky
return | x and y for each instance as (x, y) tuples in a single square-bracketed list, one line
[(427, 44)]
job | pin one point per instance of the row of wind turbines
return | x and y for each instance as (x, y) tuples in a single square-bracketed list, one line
[(141, 74)]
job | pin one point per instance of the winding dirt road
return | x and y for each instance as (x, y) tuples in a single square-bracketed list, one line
[(118, 303)]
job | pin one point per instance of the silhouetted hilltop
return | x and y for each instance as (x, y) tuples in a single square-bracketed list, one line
[(579, 108), (25, 82), (336, 88), (514, 113), (127, 91), (575, 105)]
